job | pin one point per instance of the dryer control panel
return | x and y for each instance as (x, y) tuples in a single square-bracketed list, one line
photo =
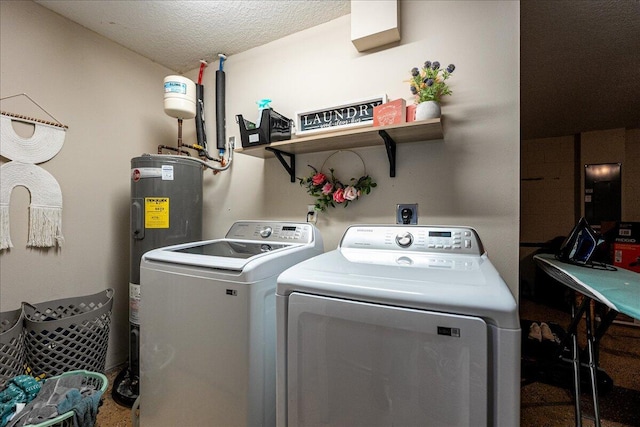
[(415, 238)]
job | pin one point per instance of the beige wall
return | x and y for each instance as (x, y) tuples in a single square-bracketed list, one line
[(112, 101), (470, 178), (547, 188), (546, 198)]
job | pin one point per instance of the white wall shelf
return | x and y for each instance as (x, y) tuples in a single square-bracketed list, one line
[(425, 130)]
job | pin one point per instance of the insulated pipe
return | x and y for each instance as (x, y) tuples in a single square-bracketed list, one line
[(203, 65), (201, 134), (220, 107)]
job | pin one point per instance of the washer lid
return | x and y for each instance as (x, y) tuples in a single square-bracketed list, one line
[(248, 245), (231, 248), (220, 254), (448, 283)]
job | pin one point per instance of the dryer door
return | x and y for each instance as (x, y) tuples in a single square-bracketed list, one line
[(359, 364)]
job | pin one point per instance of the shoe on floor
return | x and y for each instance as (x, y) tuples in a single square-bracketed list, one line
[(547, 334), (535, 332)]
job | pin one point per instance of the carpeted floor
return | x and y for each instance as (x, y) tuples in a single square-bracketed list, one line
[(542, 404), (551, 405), (111, 414)]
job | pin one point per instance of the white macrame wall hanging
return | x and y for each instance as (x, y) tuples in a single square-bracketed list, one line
[(45, 209)]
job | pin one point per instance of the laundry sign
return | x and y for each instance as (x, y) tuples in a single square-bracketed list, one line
[(353, 114)]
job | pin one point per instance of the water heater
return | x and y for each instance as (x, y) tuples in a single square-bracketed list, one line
[(166, 209)]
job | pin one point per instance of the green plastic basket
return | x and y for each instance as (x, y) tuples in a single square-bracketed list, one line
[(99, 381)]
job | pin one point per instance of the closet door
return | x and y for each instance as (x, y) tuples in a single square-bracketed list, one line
[(360, 364)]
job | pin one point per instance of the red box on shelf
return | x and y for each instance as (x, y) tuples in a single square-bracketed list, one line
[(411, 113), (391, 113)]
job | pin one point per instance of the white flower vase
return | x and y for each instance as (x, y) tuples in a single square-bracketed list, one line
[(427, 110)]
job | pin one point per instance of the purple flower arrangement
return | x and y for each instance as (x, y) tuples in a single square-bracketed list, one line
[(428, 83)]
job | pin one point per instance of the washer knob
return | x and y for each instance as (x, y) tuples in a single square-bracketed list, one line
[(266, 232), (404, 239)]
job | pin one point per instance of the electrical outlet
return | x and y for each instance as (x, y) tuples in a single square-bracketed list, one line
[(407, 214), (312, 214)]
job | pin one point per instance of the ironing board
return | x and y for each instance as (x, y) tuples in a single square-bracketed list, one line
[(618, 289)]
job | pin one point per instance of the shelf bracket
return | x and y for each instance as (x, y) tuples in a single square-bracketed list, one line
[(390, 145), (291, 166)]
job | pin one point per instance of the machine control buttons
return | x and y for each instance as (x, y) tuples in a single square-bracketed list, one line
[(404, 239), (266, 232), (467, 243)]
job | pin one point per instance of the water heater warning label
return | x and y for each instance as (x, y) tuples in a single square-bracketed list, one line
[(156, 212)]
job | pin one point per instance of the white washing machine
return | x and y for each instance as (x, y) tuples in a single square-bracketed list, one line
[(207, 316), (400, 326)]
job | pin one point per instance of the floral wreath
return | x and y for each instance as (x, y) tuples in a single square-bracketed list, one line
[(329, 190)]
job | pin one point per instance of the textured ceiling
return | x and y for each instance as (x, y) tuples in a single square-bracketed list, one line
[(580, 60), (178, 34), (579, 66)]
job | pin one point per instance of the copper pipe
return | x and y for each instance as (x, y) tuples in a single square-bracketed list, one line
[(179, 135)]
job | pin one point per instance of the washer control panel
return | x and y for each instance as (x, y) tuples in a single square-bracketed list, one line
[(404, 239), (272, 231), (416, 238)]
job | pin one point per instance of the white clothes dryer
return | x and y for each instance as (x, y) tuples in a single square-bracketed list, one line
[(400, 326), (207, 322)]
